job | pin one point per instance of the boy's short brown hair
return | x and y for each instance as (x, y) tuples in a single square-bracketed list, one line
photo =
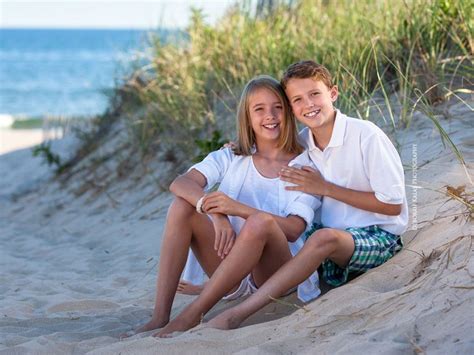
[(307, 69)]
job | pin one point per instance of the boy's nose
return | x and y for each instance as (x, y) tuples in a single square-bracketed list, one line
[(309, 102)]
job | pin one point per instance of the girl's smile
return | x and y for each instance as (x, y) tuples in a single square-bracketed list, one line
[(266, 114)]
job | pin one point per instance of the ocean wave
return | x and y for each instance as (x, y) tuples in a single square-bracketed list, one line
[(6, 120)]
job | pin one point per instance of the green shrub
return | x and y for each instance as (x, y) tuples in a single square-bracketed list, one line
[(207, 146), (374, 48), (44, 150)]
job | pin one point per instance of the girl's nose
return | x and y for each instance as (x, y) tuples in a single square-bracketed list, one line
[(270, 114)]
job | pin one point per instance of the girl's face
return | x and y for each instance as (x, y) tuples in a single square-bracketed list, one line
[(266, 114)]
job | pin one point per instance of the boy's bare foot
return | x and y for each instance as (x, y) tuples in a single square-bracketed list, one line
[(187, 288), (151, 325), (226, 320), (180, 324)]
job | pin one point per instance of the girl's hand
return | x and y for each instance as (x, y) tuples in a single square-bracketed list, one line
[(306, 180), (219, 202), (224, 235)]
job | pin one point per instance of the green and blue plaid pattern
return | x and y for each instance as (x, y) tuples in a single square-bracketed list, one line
[(373, 247)]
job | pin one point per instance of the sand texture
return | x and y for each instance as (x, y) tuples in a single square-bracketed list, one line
[(79, 252)]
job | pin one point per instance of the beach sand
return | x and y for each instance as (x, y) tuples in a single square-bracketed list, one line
[(79, 254), (15, 139)]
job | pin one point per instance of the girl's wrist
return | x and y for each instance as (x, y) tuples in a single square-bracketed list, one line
[(217, 217), (199, 205)]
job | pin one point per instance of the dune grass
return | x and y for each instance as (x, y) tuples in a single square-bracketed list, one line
[(389, 59)]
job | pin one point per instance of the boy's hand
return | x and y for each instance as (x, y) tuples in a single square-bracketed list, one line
[(224, 235), (306, 179), (229, 144)]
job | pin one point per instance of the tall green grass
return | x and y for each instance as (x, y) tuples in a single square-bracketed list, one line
[(388, 58)]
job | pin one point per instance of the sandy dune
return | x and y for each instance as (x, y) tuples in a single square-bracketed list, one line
[(78, 263)]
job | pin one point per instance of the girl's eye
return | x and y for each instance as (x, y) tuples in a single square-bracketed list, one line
[(258, 109), (279, 107)]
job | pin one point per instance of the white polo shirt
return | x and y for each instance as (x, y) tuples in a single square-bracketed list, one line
[(360, 157)]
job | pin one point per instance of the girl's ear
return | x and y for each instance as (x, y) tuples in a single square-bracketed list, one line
[(334, 92)]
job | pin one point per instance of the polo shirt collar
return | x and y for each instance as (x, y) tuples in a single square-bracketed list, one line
[(338, 132)]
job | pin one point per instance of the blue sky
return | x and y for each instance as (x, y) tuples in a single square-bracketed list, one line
[(146, 14)]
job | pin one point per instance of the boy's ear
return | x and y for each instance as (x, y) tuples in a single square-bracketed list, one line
[(334, 93)]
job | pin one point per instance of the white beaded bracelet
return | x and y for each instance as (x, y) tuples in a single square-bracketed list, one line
[(199, 205)]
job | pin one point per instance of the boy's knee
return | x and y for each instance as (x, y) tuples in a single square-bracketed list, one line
[(325, 238)]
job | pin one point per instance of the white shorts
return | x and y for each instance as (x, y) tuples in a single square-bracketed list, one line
[(246, 287)]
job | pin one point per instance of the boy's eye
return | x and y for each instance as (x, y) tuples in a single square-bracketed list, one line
[(315, 93), (296, 100)]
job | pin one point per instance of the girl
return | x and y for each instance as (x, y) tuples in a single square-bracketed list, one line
[(220, 226)]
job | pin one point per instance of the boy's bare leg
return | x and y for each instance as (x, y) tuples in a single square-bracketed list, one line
[(184, 226), (334, 244), (261, 247)]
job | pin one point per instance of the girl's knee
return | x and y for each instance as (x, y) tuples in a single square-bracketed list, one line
[(258, 225), (181, 206), (260, 221)]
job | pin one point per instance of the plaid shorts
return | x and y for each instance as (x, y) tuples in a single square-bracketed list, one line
[(373, 247)]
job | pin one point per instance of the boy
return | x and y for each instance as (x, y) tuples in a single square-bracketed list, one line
[(361, 180)]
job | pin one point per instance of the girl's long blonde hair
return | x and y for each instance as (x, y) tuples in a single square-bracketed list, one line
[(245, 136)]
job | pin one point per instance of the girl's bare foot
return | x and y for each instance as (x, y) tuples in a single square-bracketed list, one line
[(187, 288), (225, 320)]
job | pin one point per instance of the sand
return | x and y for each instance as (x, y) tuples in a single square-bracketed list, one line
[(15, 139), (78, 262), (11, 140)]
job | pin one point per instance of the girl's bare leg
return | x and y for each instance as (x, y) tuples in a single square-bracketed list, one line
[(184, 228), (187, 288), (261, 246), (325, 243)]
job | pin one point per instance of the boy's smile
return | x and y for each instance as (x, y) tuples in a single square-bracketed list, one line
[(312, 113), (312, 102)]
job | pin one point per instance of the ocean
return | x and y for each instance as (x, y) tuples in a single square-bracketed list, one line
[(65, 73)]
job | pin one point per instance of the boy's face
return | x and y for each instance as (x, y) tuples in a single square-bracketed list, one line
[(312, 102)]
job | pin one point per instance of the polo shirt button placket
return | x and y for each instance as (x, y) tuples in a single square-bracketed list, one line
[(324, 164)]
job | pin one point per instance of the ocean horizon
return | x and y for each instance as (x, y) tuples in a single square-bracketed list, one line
[(64, 72)]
